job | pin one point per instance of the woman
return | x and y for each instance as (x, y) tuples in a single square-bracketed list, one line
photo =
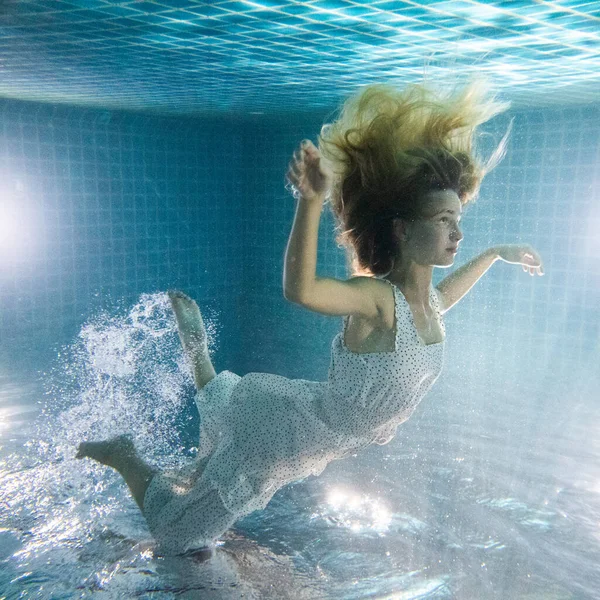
[(397, 168)]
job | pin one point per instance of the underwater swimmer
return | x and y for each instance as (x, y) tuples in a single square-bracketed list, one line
[(397, 168)]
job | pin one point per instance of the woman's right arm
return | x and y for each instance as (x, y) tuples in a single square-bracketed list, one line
[(356, 296), (359, 295), (299, 273)]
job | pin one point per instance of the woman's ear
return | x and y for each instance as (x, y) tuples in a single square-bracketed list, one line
[(400, 229)]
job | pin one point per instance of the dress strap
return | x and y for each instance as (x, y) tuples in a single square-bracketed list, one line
[(400, 298), (396, 313), (436, 300)]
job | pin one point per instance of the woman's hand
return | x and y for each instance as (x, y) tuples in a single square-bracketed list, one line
[(525, 255), (307, 177)]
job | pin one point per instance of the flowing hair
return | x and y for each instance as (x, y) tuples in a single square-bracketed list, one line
[(389, 148)]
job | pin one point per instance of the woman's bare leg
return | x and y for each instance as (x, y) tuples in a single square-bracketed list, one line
[(193, 337), (120, 454)]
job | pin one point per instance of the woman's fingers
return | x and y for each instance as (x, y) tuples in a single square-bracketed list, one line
[(293, 176), (299, 158), (537, 264), (290, 176), (525, 256), (296, 172), (296, 166), (305, 172), (312, 152), (299, 164), (306, 150), (296, 169), (309, 151), (533, 269)]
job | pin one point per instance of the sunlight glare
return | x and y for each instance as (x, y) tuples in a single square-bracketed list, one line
[(358, 512), (19, 231)]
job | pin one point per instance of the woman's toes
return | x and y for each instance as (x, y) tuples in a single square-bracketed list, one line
[(178, 295), (96, 450), (107, 451)]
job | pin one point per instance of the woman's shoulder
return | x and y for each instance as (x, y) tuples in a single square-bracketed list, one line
[(383, 294), (378, 284)]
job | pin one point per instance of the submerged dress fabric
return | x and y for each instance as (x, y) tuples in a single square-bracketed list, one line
[(262, 431)]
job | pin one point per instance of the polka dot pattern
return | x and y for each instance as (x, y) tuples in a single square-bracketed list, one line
[(377, 391), (262, 431)]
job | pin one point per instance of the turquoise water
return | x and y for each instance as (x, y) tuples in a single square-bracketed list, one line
[(478, 496), (490, 491)]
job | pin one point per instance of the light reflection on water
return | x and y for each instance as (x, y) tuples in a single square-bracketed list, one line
[(462, 504), (356, 511)]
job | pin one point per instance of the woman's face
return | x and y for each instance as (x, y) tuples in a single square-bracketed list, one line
[(433, 239)]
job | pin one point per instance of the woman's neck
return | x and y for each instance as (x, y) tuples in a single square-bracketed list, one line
[(414, 281)]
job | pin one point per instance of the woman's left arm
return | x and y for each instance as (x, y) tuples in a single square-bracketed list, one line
[(455, 286)]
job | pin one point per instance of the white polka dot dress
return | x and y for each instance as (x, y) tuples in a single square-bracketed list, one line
[(262, 431)]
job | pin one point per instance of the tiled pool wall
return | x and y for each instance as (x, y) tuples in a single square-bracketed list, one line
[(105, 206)]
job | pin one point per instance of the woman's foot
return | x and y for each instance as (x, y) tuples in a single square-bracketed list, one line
[(192, 334), (120, 454), (189, 322), (108, 452)]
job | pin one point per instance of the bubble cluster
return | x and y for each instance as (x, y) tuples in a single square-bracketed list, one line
[(124, 373)]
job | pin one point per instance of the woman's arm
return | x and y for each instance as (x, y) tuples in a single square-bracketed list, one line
[(325, 295), (455, 286), (310, 182), (299, 272)]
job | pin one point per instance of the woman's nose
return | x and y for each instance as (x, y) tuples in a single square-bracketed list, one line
[(457, 234)]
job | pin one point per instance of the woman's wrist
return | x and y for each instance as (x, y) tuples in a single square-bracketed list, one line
[(316, 200), (494, 252)]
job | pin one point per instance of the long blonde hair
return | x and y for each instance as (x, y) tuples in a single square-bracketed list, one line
[(389, 147)]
